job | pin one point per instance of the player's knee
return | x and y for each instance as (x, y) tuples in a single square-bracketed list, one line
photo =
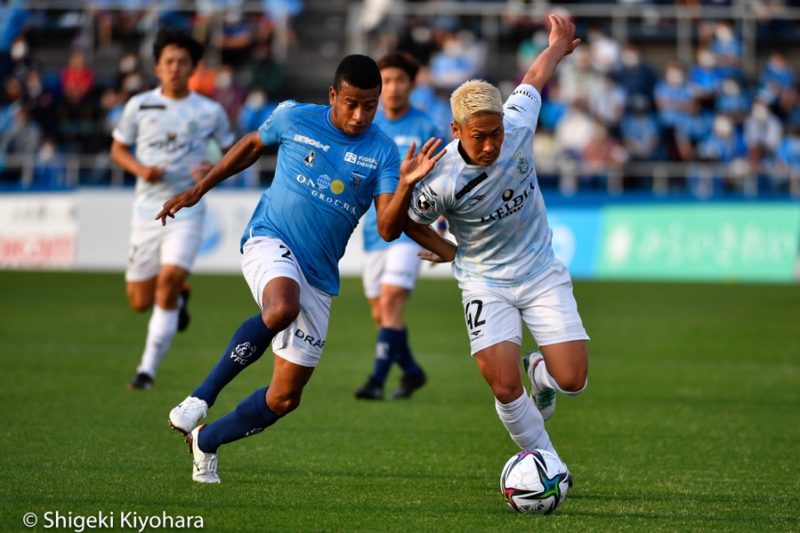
[(280, 313), (574, 385), (507, 393), (139, 302), (282, 404)]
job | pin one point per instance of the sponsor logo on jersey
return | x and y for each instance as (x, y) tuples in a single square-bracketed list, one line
[(337, 186), (472, 202), (309, 158), (523, 164), (512, 203), (170, 144), (523, 92), (361, 160), (304, 139), (323, 181), (357, 178), (305, 337), (424, 204), (316, 192)]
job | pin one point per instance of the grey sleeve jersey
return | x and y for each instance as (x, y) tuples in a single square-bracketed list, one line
[(173, 134), (496, 213)]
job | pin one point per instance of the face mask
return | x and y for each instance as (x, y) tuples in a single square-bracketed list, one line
[(705, 59), (630, 58), (127, 64), (674, 77), (224, 81), (724, 34), (19, 50), (760, 113), (255, 100), (730, 88), (723, 126), (132, 84)]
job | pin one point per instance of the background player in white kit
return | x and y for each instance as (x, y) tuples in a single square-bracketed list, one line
[(170, 127), (486, 188)]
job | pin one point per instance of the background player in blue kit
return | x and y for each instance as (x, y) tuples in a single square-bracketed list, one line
[(332, 164), (391, 269)]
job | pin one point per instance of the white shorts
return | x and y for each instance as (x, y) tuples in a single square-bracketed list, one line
[(153, 245), (266, 258), (396, 265), (546, 304)]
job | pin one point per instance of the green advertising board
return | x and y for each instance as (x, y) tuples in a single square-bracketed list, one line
[(724, 242)]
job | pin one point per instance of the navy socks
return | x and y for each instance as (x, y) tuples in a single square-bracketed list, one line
[(392, 346), (251, 416), (246, 346)]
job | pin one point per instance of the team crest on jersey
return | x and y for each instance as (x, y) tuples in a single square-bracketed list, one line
[(323, 181), (192, 127), (523, 165), (309, 158), (357, 178)]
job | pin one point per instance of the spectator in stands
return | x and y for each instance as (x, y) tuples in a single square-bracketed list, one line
[(727, 49), (13, 17), (635, 75), (204, 79), (606, 100), (575, 130), (777, 73), (227, 92), (604, 51), (263, 72), (460, 59), (692, 129), (641, 132), (724, 145), (762, 135), (673, 95), (602, 155), (234, 38), (49, 171), (704, 78), (77, 78), (732, 101), (787, 158), (256, 109), (41, 103), (22, 135)]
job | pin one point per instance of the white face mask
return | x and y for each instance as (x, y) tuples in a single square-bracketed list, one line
[(674, 77), (127, 64), (705, 59), (724, 33), (760, 112), (630, 58), (723, 126), (256, 100), (224, 80), (731, 88), (19, 50)]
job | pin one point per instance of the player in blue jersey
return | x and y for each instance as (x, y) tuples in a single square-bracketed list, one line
[(487, 189), (391, 269), (332, 164)]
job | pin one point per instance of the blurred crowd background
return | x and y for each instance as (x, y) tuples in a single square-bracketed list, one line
[(694, 98)]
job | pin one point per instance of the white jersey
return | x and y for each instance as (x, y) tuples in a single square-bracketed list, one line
[(496, 213), (174, 134)]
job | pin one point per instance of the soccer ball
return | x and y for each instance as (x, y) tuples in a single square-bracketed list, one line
[(534, 481)]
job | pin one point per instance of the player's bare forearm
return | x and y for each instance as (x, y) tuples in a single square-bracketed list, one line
[(425, 236), (415, 166), (244, 153), (121, 155), (562, 42)]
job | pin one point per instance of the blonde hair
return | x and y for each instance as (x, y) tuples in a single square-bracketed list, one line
[(475, 97)]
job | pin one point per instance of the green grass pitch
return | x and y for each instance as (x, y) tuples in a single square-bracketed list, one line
[(691, 421)]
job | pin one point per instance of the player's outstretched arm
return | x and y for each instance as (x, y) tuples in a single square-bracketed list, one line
[(392, 208), (437, 248), (244, 153), (562, 42)]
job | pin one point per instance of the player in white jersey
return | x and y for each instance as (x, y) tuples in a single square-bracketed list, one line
[(486, 188), (171, 128)]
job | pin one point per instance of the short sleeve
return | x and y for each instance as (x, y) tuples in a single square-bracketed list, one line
[(522, 107), (271, 130), (127, 127), (389, 172), (427, 203)]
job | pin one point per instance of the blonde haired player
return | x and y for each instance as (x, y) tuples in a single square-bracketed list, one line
[(486, 188)]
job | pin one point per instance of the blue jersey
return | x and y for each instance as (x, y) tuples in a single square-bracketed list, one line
[(413, 127), (324, 182)]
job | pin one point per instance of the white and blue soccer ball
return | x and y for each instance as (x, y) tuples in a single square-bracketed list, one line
[(534, 481)]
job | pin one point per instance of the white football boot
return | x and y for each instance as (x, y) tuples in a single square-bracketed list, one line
[(544, 398), (187, 414), (204, 465)]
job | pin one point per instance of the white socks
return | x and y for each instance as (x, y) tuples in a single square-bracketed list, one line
[(160, 331), (524, 423), (544, 380)]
